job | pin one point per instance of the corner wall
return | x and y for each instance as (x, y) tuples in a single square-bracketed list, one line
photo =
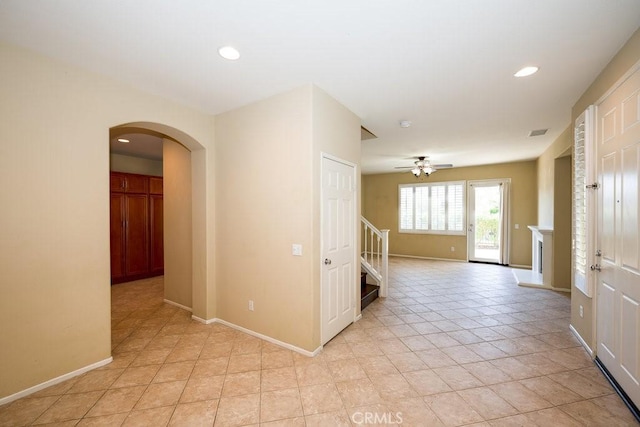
[(54, 165)]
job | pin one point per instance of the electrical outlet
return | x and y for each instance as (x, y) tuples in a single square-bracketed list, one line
[(517, 226), (250, 305), (453, 248), (581, 311)]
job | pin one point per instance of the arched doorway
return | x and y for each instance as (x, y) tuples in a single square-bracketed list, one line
[(184, 213)]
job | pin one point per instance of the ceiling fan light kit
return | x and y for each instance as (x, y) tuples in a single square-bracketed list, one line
[(424, 166)]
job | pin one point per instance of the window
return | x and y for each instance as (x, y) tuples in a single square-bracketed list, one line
[(432, 208)]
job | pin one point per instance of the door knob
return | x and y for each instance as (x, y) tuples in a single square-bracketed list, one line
[(327, 261), (595, 267)]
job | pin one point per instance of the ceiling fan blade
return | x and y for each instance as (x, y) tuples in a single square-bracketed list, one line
[(404, 167), (443, 166)]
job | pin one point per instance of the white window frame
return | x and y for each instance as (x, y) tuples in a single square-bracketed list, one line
[(446, 231)]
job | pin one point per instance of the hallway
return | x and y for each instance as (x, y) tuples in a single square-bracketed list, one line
[(453, 344)]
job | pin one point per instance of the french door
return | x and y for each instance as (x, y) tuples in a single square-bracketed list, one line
[(487, 227)]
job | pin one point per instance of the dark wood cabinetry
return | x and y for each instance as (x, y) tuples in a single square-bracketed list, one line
[(136, 227)]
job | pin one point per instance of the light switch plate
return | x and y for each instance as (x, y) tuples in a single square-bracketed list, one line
[(296, 249)]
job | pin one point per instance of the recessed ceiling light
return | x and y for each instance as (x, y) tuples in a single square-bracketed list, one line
[(124, 141), (405, 123), (228, 52), (526, 71)]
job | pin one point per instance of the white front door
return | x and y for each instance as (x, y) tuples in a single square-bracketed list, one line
[(339, 251), (618, 238)]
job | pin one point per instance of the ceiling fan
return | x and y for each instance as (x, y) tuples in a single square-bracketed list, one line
[(423, 165)]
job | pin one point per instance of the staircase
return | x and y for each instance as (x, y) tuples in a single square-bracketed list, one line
[(368, 292), (374, 261)]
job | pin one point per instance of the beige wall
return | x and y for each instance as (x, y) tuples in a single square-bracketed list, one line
[(628, 55), (177, 223), (54, 169), (546, 177), (269, 154), (562, 223), (130, 164), (380, 206)]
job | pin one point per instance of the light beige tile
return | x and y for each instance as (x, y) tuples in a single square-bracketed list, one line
[(550, 390), (25, 411), (174, 371), (212, 350), (320, 398), (377, 365), (161, 394), (244, 362), (277, 359), (279, 378), (238, 411), (358, 393), (520, 397), (452, 409), (69, 407), (334, 418), (588, 413), (117, 400), (149, 417), (202, 388), (487, 373), (194, 414), (580, 385), (313, 373), (393, 387), (114, 420), (404, 362), (142, 375), (346, 369), (412, 412), (241, 383), (457, 377), (280, 404), (210, 367), (552, 417), (426, 382), (151, 356), (487, 403)]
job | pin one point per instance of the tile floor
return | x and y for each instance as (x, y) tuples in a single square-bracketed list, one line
[(454, 344)]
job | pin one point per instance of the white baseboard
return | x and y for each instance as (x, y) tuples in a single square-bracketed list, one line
[(358, 317), (259, 335), (184, 307), (583, 342), (428, 257), (54, 381), (524, 267)]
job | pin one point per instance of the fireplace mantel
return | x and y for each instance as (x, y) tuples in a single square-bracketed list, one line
[(541, 273)]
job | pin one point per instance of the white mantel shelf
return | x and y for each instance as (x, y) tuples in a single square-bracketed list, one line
[(541, 273)]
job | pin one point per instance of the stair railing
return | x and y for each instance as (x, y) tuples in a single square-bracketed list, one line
[(375, 254)]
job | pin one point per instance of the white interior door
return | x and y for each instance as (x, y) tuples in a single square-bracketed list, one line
[(484, 224), (339, 251), (618, 282)]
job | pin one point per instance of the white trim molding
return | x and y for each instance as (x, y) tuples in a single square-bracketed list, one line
[(582, 341), (175, 304), (54, 381), (261, 336)]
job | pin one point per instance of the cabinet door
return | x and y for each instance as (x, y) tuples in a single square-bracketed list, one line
[(137, 183), (137, 234), (117, 236), (157, 243), (117, 182), (155, 185)]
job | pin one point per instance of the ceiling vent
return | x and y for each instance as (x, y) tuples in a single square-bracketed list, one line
[(538, 132)]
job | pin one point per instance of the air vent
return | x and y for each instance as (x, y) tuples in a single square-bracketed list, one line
[(538, 132), (365, 134)]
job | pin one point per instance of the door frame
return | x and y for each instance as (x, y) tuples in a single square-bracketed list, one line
[(471, 233), (355, 235)]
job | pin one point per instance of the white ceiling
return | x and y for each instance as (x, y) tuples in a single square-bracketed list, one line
[(445, 65)]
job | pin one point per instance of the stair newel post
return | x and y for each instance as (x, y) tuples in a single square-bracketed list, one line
[(385, 263)]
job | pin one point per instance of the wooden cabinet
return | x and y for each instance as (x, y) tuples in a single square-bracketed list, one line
[(136, 227)]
